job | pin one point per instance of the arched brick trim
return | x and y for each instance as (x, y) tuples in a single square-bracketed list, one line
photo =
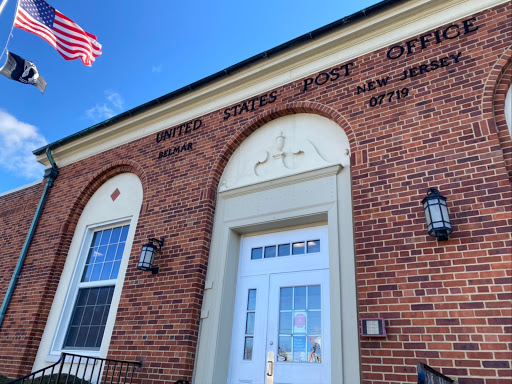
[(257, 122), (493, 103), (105, 173), (500, 92)]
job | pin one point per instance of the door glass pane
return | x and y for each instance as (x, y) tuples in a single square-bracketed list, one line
[(313, 246), (250, 317), (284, 352), (285, 322), (300, 298), (283, 250), (314, 297), (298, 248), (248, 348), (286, 299), (300, 324), (249, 327), (270, 251), (251, 301), (256, 253)]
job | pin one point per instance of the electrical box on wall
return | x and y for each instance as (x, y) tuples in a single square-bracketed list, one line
[(373, 327)]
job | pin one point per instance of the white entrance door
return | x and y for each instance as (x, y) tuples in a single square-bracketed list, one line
[(281, 329)]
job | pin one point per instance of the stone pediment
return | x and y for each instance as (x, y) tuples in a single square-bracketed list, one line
[(286, 146)]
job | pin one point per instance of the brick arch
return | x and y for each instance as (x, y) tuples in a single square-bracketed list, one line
[(257, 122), (101, 176), (493, 103)]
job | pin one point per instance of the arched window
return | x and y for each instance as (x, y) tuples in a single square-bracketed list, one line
[(83, 313)]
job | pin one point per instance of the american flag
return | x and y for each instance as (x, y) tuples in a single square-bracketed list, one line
[(71, 41)]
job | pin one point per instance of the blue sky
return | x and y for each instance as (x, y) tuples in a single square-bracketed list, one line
[(150, 48)]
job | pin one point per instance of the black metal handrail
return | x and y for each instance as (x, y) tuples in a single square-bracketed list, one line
[(82, 370), (428, 375)]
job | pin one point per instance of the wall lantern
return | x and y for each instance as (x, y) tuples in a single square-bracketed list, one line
[(436, 214), (147, 254)]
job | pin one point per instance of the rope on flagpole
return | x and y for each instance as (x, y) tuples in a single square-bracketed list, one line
[(10, 33)]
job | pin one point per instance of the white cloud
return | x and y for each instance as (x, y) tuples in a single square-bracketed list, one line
[(112, 106), (156, 68), (17, 141)]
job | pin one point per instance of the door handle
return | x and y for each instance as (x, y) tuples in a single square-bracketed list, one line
[(270, 367)]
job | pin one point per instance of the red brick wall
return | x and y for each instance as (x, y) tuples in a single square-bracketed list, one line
[(447, 304), (17, 211)]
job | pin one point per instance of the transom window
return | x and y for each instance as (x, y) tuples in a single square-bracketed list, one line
[(96, 288), (286, 249)]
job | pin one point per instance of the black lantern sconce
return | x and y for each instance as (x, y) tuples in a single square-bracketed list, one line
[(148, 253), (436, 214)]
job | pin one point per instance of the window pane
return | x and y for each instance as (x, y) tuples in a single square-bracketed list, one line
[(284, 352), (124, 233), (300, 298), (284, 250), (111, 252), (87, 273), (71, 337), (285, 322), (105, 237), (299, 349), (286, 299), (314, 349), (105, 274), (96, 272), (92, 336), (90, 255), (313, 246), (83, 294), (116, 233), (89, 319), (314, 297), (100, 254), (256, 253), (249, 326), (251, 301), (96, 239), (314, 323), (81, 338), (97, 315), (76, 319), (248, 348), (115, 270), (298, 248), (270, 251), (120, 251)]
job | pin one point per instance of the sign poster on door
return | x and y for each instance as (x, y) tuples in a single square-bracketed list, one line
[(314, 349)]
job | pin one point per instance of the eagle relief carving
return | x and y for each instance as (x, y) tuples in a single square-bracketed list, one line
[(282, 159)]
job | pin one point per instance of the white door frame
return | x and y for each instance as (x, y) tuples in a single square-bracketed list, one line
[(272, 205)]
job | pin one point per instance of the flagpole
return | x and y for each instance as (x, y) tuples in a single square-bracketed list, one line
[(10, 33)]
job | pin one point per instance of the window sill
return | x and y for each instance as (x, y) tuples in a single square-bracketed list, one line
[(54, 356)]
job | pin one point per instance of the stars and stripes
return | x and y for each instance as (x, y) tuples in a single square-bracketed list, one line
[(71, 41)]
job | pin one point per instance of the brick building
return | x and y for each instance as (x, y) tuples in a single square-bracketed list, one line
[(287, 190)]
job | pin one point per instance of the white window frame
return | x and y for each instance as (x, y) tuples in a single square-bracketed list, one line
[(75, 285)]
